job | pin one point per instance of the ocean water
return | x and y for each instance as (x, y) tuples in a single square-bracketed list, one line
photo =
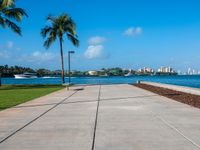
[(190, 81)]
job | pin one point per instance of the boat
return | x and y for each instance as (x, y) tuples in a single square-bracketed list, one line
[(25, 75), (128, 74), (47, 77)]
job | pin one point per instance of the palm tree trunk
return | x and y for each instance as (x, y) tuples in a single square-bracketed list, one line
[(62, 61)]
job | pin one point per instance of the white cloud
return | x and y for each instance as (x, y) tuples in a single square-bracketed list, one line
[(96, 40), (38, 57), (133, 31), (9, 44), (43, 56), (94, 51), (96, 48)]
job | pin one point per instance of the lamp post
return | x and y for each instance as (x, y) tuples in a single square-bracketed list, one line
[(69, 67)]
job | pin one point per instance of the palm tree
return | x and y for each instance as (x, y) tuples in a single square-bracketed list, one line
[(60, 26), (8, 14)]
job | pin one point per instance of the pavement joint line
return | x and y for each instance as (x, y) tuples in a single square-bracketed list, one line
[(177, 130), (27, 106), (173, 127), (167, 123), (122, 98), (30, 122), (88, 101), (96, 119)]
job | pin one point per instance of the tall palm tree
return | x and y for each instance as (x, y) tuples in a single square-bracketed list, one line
[(9, 14), (60, 26)]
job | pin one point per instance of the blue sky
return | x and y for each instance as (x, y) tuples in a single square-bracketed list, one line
[(122, 33)]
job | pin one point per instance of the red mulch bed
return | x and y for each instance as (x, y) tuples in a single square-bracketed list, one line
[(190, 99)]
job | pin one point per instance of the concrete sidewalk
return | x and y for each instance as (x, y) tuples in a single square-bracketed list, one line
[(101, 117)]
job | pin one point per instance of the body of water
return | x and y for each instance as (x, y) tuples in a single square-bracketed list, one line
[(191, 81)]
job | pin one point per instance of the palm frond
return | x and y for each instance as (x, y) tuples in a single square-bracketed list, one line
[(73, 39), (70, 26), (13, 26), (61, 25), (9, 13), (2, 22), (45, 31), (50, 40), (51, 18), (6, 3), (15, 13), (63, 17)]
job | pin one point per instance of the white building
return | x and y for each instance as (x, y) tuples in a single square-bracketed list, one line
[(165, 70), (189, 71), (146, 70)]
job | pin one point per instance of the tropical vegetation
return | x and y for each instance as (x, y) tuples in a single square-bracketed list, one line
[(10, 71), (9, 15), (59, 27)]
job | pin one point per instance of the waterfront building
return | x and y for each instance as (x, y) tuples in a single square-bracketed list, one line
[(189, 71), (146, 70), (166, 70)]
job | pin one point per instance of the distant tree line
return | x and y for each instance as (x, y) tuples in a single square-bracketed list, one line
[(10, 71), (7, 71), (113, 71), (104, 72)]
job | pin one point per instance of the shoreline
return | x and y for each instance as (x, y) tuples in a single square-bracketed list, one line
[(187, 81), (136, 75)]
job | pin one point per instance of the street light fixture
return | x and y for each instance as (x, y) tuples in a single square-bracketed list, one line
[(69, 67)]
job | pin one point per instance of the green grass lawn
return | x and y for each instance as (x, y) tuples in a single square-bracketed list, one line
[(12, 95)]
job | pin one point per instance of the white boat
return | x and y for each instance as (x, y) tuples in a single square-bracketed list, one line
[(47, 77), (25, 75), (128, 74)]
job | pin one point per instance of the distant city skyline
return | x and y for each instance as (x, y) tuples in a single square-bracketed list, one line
[(161, 69), (126, 34)]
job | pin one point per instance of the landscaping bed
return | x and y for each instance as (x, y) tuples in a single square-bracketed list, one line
[(186, 98)]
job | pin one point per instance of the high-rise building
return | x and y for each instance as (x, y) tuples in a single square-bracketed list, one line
[(165, 70), (189, 71), (146, 70)]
